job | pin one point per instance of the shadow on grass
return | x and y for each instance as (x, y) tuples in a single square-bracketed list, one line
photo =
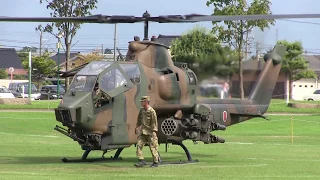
[(58, 160), (183, 155), (91, 160)]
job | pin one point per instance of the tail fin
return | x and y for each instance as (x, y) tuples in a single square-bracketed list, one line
[(264, 87)]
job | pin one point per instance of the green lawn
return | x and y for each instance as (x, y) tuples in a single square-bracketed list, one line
[(256, 149), (277, 105)]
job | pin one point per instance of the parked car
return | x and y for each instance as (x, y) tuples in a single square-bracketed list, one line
[(313, 97), (50, 92), (212, 90), (5, 93), (21, 89)]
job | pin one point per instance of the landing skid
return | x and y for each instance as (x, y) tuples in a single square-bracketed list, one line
[(188, 161), (188, 154), (117, 158), (86, 153)]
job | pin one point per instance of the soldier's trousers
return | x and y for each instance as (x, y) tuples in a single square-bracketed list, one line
[(152, 140)]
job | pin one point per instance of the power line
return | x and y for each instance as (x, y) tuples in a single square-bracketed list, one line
[(79, 35), (303, 22)]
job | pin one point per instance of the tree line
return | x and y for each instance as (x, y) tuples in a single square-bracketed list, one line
[(218, 51)]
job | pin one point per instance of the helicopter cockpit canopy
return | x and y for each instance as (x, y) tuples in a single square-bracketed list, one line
[(113, 78)]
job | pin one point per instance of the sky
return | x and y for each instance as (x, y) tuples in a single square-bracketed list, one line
[(92, 36)]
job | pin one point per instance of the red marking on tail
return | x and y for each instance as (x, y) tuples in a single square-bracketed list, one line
[(224, 116)]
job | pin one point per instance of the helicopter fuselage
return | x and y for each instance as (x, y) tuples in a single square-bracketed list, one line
[(102, 105), (113, 121)]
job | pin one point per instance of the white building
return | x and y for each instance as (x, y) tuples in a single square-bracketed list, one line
[(304, 87)]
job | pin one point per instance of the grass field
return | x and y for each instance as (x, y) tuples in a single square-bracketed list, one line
[(276, 106), (256, 149)]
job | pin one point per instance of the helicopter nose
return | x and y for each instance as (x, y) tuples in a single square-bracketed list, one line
[(67, 117)]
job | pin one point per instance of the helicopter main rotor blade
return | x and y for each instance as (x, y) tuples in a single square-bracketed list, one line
[(161, 19), (200, 17), (87, 19)]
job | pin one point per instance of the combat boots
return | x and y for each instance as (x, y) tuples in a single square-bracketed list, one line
[(154, 164), (141, 163)]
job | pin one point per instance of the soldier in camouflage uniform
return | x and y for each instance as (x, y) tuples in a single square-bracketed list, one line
[(146, 129), (99, 96)]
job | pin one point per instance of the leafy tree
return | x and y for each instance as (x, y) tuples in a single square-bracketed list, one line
[(26, 49), (294, 65), (82, 59), (234, 32), (3, 74), (41, 67), (198, 46), (24, 54), (19, 76), (70, 8)]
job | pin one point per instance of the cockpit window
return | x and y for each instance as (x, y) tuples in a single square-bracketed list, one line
[(83, 83), (132, 71), (95, 68), (111, 80), (192, 78)]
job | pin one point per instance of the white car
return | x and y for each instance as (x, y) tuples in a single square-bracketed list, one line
[(35, 96), (313, 97), (5, 93)]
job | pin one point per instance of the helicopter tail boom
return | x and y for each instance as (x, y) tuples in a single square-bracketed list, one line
[(264, 87)]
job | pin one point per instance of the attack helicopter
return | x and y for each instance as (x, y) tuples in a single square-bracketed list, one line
[(101, 106)]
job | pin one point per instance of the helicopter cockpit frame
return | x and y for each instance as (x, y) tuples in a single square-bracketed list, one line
[(112, 78)]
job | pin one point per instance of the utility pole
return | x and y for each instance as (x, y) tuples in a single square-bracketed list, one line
[(115, 41), (58, 82), (102, 49), (30, 68), (258, 54), (246, 50), (40, 48), (258, 50)]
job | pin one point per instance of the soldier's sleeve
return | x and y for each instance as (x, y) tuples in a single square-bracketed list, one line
[(154, 124), (139, 119)]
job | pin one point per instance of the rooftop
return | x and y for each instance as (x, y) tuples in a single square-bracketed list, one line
[(9, 58), (167, 39), (314, 63), (62, 56)]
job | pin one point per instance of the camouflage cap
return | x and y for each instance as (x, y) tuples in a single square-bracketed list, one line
[(145, 98)]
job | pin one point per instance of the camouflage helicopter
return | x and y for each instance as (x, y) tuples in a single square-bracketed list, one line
[(101, 106)]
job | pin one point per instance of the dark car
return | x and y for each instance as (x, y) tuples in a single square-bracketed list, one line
[(50, 92)]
